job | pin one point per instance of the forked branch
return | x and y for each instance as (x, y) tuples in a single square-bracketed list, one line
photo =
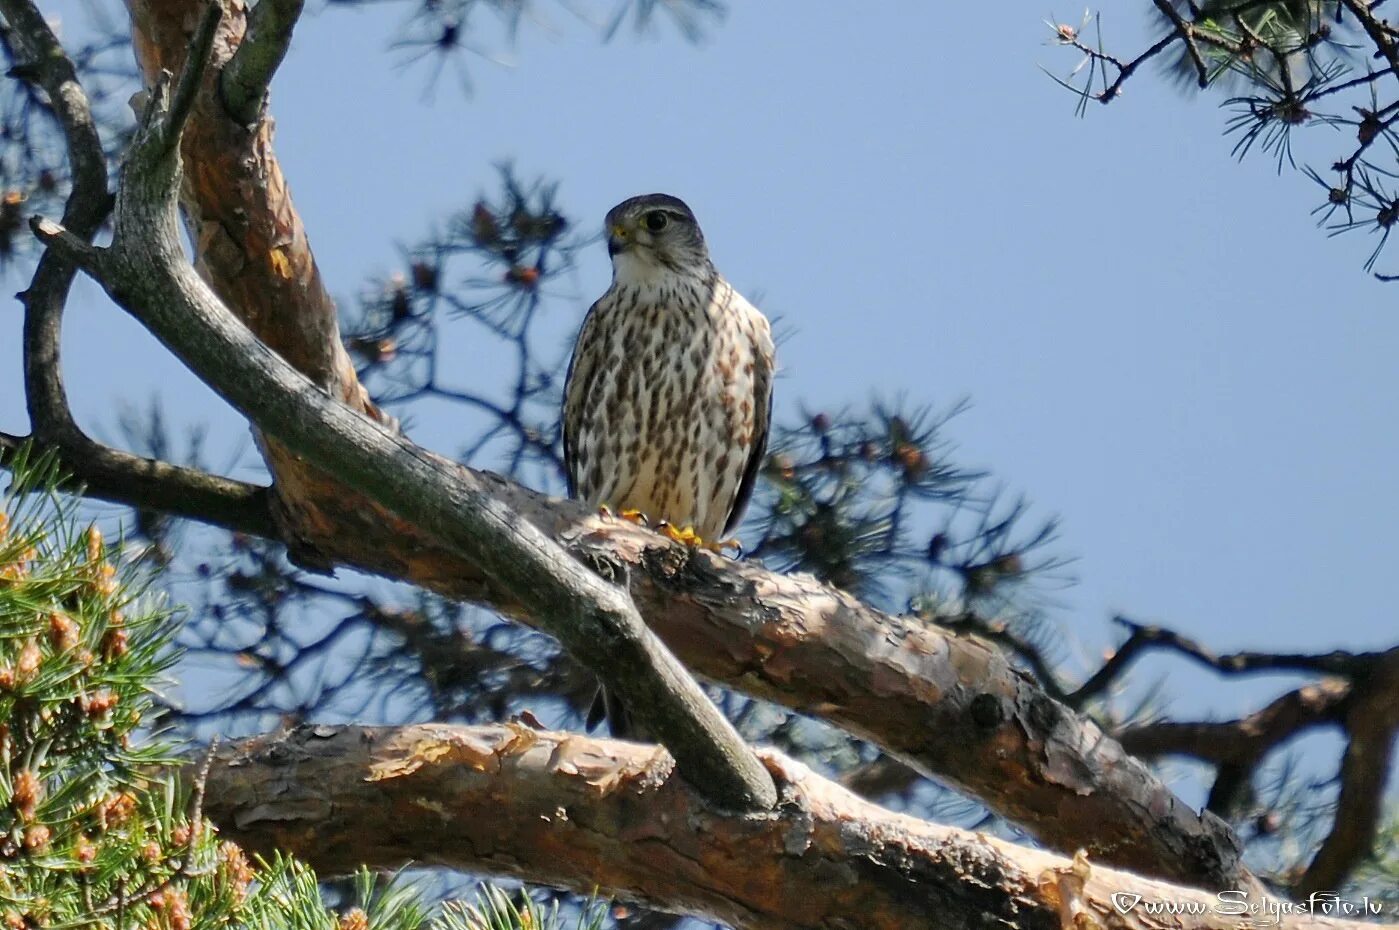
[(145, 272)]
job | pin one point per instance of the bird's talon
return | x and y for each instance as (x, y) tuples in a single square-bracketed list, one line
[(686, 536), (718, 547), (631, 516)]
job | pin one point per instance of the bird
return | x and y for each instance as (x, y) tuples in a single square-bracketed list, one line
[(668, 397)]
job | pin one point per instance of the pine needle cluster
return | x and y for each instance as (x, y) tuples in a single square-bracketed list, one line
[(100, 818)]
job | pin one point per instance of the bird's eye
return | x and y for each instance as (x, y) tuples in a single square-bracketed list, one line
[(655, 221)]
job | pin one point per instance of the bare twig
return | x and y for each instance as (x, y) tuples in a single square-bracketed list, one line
[(1245, 739), (1238, 747), (105, 472), (1149, 636), (1186, 33)]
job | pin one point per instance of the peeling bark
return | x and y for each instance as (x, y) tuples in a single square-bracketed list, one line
[(592, 814), (953, 707), (145, 272), (253, 250)]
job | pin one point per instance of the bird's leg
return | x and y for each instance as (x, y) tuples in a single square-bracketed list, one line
[(687, 536), (631, 516), (730, 543)]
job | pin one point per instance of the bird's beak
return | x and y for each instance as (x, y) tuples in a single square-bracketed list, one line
[(618, 239)]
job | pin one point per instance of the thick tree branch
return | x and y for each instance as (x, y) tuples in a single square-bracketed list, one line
[(252, 248), (249, 241), (951, 706), (243, 83), (601, 815), (145, 272)]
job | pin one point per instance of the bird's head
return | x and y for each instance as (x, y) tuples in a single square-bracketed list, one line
[(654, 234)]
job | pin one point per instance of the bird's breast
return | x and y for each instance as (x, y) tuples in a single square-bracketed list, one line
[(672, 413)]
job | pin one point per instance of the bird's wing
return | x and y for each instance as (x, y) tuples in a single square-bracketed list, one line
[(764, 363), (580, 369)]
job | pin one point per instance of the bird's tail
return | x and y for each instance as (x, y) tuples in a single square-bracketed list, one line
[(607, 707)]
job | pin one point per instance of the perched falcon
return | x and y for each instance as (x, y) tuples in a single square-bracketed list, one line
[(669, 391)]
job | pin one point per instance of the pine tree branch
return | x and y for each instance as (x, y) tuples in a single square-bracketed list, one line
[(1372, 731), (109, 474), (243, 83), (1376, 29), (249, 240), (1143, 637), (252, 248), (1186, 33), (606, 816), (1238, 747), (105, 472), (951, 706), (1248, 738), (145, 272)]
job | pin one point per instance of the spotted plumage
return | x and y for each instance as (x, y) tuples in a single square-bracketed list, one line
[(669, 390)]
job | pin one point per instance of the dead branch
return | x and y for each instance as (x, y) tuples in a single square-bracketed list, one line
[(1361, 696), (1372, 731)]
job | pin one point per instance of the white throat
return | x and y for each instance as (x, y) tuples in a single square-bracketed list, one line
[(632, 268)]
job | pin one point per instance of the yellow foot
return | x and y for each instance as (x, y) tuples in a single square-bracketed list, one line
[(688, 537), (631, 516), (719, 547), (685, 536)]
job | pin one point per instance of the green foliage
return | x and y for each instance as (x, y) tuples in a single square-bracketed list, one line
[(96, 828), (1378, 876), (1290, 64), (493, 909)]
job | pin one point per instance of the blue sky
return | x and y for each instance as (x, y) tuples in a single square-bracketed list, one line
[(1158, 344)]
